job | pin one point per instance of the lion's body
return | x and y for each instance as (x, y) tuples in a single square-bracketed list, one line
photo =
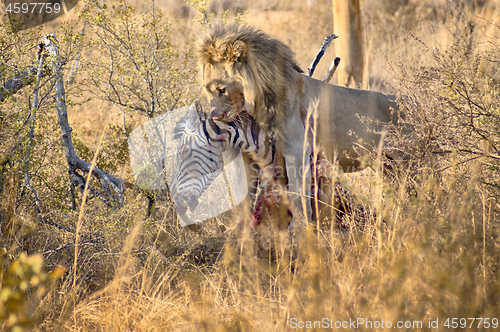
[(259, 74), (339, 126)]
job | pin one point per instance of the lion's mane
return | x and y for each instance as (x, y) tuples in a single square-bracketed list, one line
[(267, 71)]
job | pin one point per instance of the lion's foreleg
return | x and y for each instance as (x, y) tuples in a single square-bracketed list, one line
[(299, 186), (298, 169), (252, 170)]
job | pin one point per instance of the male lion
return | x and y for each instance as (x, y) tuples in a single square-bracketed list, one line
[(243, 69)]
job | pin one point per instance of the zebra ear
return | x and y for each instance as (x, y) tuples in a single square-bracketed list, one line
[(190, 121), (203, 116), (194, 114), (180, 128)]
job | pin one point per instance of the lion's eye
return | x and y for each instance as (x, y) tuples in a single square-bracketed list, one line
[(221, 91)]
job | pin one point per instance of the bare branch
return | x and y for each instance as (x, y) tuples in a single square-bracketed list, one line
[(26, 183), (123, 118), (74, 162)]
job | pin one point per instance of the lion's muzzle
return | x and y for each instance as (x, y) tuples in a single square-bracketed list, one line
[(220, 114)]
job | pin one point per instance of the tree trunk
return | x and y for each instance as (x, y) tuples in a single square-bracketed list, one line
[(349, 46)]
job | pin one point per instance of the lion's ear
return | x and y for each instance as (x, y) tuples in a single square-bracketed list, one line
[(240, 49)]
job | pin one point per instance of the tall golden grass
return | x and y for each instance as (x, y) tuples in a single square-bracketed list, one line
[(426, 250)]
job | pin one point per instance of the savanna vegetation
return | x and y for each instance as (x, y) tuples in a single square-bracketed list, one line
[(421, 247)]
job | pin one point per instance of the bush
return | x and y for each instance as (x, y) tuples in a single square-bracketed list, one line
[(132, 62), (450, 103), (23, 285)]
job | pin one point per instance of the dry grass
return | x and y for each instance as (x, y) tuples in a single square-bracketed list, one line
[(428, 249)]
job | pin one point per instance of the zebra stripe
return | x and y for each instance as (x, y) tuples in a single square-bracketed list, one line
[(202, 144)]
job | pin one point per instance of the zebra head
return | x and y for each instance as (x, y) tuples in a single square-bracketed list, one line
[(199, 160)]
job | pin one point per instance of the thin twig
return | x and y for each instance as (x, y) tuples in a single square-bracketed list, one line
[(33, 116), (479, 152), (123, 118), (72, 74)]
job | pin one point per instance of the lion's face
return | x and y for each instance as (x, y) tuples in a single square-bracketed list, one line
[(225, 94), (224, 81), (243, 69)]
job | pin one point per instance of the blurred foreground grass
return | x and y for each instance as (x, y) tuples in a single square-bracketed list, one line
[(429, 251)]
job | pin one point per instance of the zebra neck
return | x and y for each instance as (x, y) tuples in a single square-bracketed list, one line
[(253, 141), (243, 135)]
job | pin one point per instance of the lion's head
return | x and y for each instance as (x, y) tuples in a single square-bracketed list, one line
[(244, 69)]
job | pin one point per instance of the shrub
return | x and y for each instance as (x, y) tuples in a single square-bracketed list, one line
[(450, 103), (23, 284)]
